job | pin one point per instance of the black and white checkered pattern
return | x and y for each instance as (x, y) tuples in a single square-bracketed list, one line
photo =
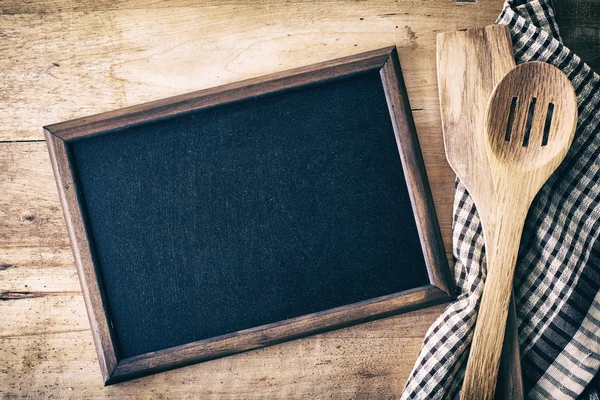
[(557, 281)]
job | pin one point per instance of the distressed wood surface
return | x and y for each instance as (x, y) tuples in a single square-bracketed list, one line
[(64, 59)]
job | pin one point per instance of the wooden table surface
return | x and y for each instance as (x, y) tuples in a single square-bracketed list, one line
[(61, 59)]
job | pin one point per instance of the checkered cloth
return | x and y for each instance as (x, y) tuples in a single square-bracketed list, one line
[(557, 281)]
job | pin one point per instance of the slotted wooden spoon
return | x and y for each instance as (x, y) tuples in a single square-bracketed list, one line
[(530, 122)]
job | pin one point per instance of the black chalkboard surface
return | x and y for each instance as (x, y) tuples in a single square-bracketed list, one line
[(229, 219)]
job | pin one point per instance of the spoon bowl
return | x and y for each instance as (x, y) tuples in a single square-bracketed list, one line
[(531, 117)]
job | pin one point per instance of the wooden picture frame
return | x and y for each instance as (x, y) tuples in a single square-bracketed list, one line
[(115, 368)]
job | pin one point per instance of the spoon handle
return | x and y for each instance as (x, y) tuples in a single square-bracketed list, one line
[(486, 347)]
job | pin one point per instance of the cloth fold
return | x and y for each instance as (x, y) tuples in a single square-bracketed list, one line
[(557, 281)]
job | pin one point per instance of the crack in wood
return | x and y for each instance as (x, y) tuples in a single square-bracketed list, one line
[(23, 141), (8, 295), (4, 267), (43, 333)]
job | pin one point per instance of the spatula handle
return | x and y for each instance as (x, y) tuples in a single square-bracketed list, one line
[(486, 347)]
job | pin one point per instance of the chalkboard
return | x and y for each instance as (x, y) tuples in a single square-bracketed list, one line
[(240, 216)]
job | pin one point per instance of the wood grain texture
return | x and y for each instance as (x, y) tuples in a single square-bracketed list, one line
[(470, 65), (65, 59), (520, 162), (367, 361), (83, 61)]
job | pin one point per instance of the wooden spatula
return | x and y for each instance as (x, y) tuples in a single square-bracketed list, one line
[(530, 122), (470, 64)]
